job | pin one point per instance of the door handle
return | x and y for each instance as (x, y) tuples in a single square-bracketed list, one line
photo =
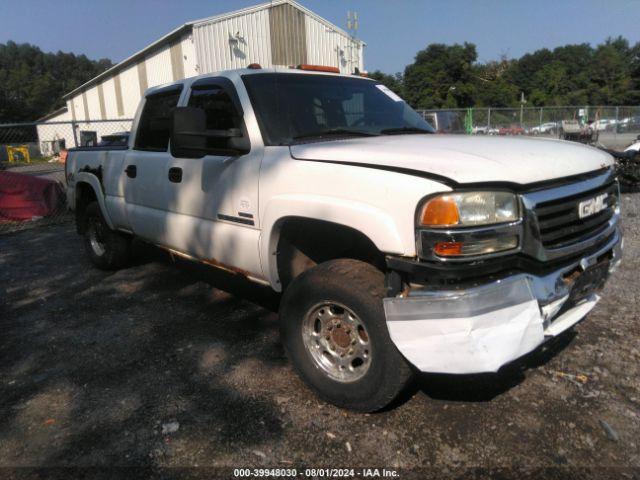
[(131, 171), (175, 174)]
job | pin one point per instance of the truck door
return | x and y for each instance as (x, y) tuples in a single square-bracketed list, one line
[(212, 202), (146, 165)]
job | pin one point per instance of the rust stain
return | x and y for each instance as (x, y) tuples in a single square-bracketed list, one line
[(211, 262), (572, 276), (237, 271)]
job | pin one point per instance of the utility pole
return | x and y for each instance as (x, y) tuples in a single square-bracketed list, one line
[(522, 102)]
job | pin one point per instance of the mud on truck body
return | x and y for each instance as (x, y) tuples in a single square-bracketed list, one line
[(396, 250)]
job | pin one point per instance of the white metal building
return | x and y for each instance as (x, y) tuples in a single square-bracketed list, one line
[(278, 33)]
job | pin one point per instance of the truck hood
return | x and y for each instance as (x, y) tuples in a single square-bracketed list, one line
[(463, 158)]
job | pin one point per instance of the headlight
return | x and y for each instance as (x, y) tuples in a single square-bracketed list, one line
[(469, 209)]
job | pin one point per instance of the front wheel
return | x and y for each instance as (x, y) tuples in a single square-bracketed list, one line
[(334, 331), (107, 249)]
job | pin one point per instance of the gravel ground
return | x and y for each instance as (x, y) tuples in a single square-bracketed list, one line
[(171, 367)]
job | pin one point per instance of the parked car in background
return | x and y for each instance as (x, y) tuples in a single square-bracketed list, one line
[(627, 164), (511, 130), (544, 129), (395, 250), (629, 124), (635, 146), (480, 130), (605, 124)]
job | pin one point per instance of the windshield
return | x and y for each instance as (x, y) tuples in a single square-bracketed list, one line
[(294, 108)]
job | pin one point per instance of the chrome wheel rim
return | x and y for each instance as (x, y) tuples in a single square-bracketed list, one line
[(337, 341), (96, 237)]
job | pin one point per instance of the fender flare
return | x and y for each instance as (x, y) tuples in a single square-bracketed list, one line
[(94, 183), (376, 224)]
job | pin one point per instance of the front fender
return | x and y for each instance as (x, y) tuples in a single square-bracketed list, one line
[(379, 226), (94, 183)]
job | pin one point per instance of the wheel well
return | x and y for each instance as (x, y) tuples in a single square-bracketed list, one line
[(84, 196), (305, 242)]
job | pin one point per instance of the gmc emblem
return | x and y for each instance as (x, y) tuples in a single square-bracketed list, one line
[(592, 206)]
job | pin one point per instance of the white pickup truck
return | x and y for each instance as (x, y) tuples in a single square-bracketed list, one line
[(397, 250)]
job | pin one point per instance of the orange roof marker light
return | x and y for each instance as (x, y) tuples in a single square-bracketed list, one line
[(318, 68), (254, 66)]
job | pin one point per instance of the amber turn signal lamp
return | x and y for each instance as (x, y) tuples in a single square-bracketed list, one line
[(448, 249), (440, 212)]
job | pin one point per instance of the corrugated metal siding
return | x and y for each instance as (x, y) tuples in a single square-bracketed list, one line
[(215, 52), (159, 67), (332, 48), (117, 86), (177, 61), (143, 80), (279, 35), (93, 103), (50, 133), (110, 101), (103, 112), (85, 106), (189, 56), (71, 108), (288, 35), (130, 90)]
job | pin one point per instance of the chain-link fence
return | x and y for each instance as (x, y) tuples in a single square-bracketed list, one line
[(32, 155), (32, 178), (611, 127)]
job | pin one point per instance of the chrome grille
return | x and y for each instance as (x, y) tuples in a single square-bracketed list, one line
[(559, 223)]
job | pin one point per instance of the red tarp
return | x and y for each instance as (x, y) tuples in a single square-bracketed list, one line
[(23, 197)]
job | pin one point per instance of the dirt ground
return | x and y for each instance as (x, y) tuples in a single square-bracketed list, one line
[(161, 366)]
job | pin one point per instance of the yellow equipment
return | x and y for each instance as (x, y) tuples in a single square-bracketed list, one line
[(18, 154)]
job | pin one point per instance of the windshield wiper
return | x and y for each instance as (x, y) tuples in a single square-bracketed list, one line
[(401, 130), (336, 132)]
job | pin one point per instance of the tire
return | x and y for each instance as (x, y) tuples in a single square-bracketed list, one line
[(107, 249), (381, 373)]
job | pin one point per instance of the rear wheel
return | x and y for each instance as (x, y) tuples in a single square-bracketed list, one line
[(334, 331), (107, 249)]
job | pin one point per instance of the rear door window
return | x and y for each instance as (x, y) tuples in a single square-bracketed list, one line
[(154, 129)]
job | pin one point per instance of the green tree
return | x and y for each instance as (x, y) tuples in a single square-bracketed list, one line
[(32, 82), (493, 85), (393, 82), (575, 74), (610, 72), (441, 76)]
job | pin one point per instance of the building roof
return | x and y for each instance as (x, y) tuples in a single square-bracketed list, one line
[(55, 113), (187, 27)]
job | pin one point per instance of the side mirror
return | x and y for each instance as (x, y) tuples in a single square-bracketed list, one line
[(189, 135)]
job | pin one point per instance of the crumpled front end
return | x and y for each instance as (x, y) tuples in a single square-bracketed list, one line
[(482, 328)]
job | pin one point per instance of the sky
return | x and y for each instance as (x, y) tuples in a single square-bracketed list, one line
[(394, 30)]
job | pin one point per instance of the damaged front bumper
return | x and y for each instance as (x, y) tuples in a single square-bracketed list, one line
[(482, 328)]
